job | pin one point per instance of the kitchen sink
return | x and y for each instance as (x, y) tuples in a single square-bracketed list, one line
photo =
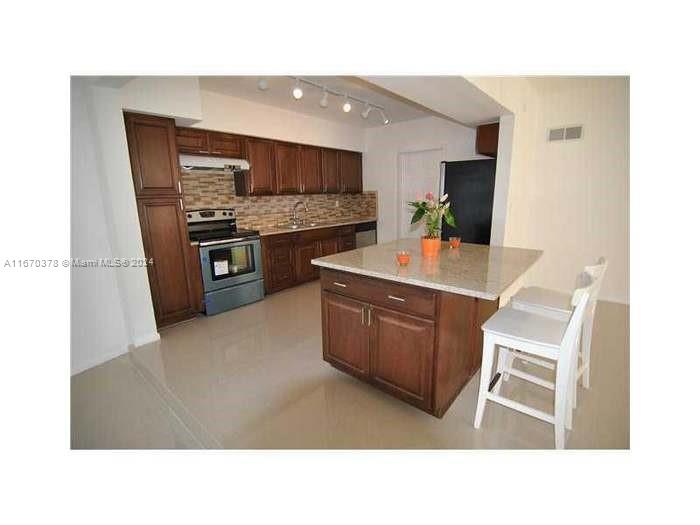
[(288, 226)]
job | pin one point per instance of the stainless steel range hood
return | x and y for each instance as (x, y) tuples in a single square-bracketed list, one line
[(198, 163)]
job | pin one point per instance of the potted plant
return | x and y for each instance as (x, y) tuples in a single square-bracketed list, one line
[(433, 212)]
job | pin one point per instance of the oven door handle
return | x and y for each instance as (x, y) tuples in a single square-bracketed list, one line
[(229, 241)]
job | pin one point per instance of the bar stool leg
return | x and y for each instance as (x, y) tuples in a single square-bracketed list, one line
[(485, 378), (586, 351), (561, 396), (503, 354)]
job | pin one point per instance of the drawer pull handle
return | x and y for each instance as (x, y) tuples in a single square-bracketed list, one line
[(340, 284), (394, 298), (203, 151)]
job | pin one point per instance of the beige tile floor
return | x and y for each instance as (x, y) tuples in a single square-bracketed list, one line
[(254, 378)]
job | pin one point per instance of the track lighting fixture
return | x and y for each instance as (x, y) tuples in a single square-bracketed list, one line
[(385, 119), (263, 85), (297, 93)]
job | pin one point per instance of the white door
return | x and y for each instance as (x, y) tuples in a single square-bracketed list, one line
[(419, 173)]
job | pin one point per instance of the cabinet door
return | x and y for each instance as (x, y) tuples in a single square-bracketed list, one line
[(401, 350), (165, 240), (330, 170), (225, 145), (287, 167), (305, 271), (350, 172), (278, 253), (346, 242), (153, 154), (329, 246), (261, 177), (345, 336), (192, 141), (310, 169), (487, 139)]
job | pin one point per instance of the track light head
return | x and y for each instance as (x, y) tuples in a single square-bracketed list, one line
[(324, 100), (297, 92), (365, 112), (385, 119), (346, 105), (263, 85)]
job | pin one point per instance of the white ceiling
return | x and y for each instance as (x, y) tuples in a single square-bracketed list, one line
[(451, 96), (279, 94)]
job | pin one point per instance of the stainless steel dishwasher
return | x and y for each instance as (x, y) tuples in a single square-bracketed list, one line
[(365, 234)]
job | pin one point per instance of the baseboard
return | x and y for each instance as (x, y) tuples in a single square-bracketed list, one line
[(97, 360), (145, 339)]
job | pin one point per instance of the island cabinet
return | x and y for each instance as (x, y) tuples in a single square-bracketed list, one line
[(417, 344)]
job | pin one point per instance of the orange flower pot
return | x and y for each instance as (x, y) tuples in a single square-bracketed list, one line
[(430, 247)]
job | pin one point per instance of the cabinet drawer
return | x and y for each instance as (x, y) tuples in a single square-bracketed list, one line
[(404, 298), (347, 230)]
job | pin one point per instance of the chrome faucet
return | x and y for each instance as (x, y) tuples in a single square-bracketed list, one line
[(295, 219)]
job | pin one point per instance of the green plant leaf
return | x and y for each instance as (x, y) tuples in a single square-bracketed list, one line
[(418, 215), (450, 218)]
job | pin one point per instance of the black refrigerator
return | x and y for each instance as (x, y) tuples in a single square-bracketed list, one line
[(469, 184)]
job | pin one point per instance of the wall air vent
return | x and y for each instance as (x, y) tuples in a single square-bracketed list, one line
[(568, 133)]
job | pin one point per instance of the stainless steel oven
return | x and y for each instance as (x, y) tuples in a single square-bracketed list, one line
[(231, 260)]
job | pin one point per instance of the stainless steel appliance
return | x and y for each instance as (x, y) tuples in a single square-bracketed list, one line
[(365, 234), (231, 259)]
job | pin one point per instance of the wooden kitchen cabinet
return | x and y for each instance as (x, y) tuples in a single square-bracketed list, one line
[(153, 155), (287, 167), (260, 179), (310, 169), (401, 354), (305, 271), (165, 240), (345, 336), (225, 145), (193, 141), (423, 344), (487, 139), (330, 170), (287, 256), (350, 172), (203, 142)]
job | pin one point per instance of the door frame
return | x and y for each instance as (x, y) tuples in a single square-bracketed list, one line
[(400, 161)]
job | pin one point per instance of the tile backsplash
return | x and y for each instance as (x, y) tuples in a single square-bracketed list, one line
[(215, 190)]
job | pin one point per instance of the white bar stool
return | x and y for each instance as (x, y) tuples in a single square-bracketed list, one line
[(558, 304), (541, 336)]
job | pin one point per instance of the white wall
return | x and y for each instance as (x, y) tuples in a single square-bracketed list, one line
[(98, 327), (236, 115), (570, 199), (380, 161)]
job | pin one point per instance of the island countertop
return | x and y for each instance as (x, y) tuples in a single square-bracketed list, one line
[(474, 270)]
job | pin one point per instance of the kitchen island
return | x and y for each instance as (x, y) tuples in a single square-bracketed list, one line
[(414, 331)]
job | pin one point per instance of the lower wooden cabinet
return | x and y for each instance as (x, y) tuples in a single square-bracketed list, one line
[(165, 240), (390, 349), (348, 345), (287, 256), (417, 344), (401, 354)]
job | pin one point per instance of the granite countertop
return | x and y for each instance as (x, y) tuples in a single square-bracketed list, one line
[(326, 224), (472, 269)]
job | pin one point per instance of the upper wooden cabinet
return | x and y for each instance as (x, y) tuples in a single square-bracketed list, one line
[(310, 169), (225, 145), (287, 167), (261, 176), (203, 142), (487, 139), (330, 170), (153, 155), (191, 140), (350, 172)]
